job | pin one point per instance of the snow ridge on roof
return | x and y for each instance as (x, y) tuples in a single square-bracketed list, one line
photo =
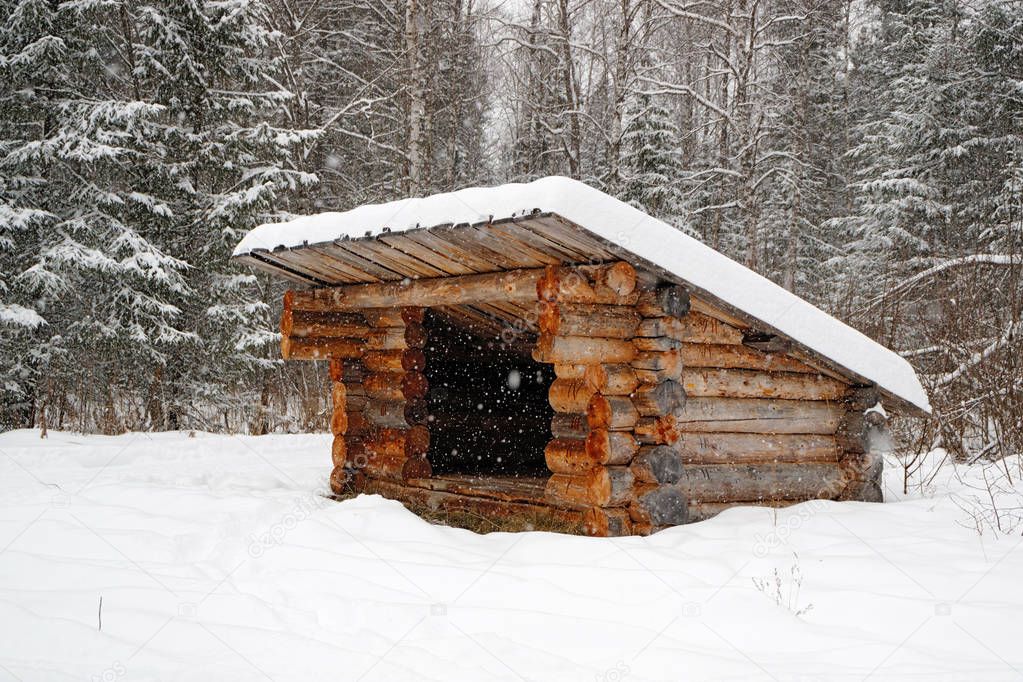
[(631, 229)]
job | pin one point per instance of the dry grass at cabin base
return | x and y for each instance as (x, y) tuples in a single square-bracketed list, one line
[(478, 523)]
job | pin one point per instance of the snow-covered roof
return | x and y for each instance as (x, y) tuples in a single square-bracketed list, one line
[(646, 237)]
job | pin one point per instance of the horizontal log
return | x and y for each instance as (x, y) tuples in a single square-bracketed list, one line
[(358, 425), (753, 483), (602, 487), (570, 426), (339, 419), (746, 415), (570, 395), (611, 412), (338, 451), (756, 448), (338, 395), (693, 328), (574, 319), (739, 383), (618, 379), (602, 523), (395, 386), (656, 344), (304, 324), (396, 338), (701, 511), (667, 397), (339, 478), (423, 497), (657, 464), (660, 506), (398, 443), (416, 467), (724, 356), (411, 359), (657, 376), (657, 430), (396, 414), (511, 286), (669, 362), (564, 456), (582, 350), (670, 300), (612, 283), (569, 371), (320, 348), (611, 447)]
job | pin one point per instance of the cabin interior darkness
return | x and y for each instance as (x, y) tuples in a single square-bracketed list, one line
[(489, 413)]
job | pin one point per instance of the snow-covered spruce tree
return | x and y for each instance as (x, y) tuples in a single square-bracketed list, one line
[(652, 168), (209, 67), (936, 229), (79, 205)]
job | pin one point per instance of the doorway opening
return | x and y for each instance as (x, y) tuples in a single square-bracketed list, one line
[(489, 411)]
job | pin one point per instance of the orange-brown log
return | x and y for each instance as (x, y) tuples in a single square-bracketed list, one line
[(603, 487), (396, 338), (670, 361), (338, 451), (611, 447), (582, 350), (305, 324), (358, 425), (703, 382), (748, 415), (320, 348), (389, 442), (652, 400), (396, 414), (414, 385), (570, 371), (570, 395), (724, 356), (657, 430), (564, 456), (339, 422), (612, 284), (338, 480), (570, 426), (576, 319), (612, 379), (416, 467), (395, 386), (383, 317), (411, 359), (602, 523), (611, 412)]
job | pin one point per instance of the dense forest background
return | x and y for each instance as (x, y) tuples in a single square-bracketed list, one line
[(866, 155)]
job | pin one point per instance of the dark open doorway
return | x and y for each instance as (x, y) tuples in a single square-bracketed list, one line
[(489, 413)]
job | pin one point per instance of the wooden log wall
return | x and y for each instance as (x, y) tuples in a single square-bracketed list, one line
[(378, 388), (587, 321), (763, 427)]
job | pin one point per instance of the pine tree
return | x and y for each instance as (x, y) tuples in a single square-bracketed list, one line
[(653, 168), (76, 191)]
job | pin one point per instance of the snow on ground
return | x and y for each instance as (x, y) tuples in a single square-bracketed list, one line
[(216, 558)]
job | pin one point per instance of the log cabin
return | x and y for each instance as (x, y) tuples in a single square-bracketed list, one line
[(546, 349)]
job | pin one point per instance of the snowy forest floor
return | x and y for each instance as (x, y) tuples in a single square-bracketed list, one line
[(217, 558)]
